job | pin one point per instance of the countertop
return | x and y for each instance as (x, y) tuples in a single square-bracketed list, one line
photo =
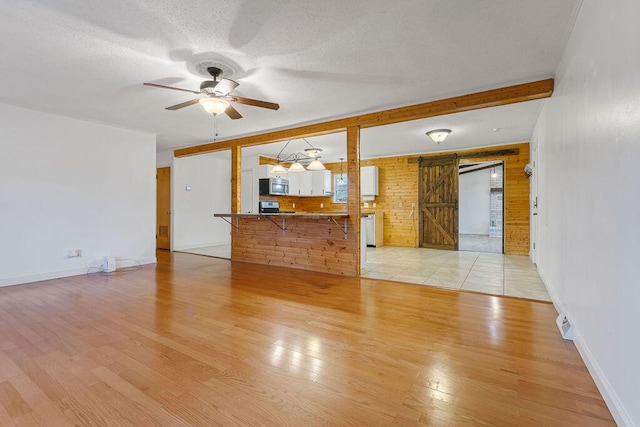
[(285, 214)]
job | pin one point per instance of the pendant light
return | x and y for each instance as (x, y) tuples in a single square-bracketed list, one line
[(341, 180), (278, 169), (309, 153), (316, 165), (296, 166)]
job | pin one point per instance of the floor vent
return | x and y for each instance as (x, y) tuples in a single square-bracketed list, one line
[(566, 328)]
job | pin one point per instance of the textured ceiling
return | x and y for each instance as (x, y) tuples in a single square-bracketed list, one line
[(317, 59)]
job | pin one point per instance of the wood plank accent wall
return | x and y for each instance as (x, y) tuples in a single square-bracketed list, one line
[(399, 189)]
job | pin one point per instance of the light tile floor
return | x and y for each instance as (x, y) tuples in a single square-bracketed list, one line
[(480, 243), (491, 273)]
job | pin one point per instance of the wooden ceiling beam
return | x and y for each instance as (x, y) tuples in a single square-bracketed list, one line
[(485, 99)]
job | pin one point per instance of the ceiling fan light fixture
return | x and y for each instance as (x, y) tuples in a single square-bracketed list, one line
[(296, 167), (214, 105), (316, 165), (438, 135)]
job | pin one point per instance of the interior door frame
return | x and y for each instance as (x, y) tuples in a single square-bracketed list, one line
[(166, 187), (495, 163)]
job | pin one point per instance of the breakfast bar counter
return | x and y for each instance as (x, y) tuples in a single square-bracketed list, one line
[(283, 216), (316, 241), (314, 215)]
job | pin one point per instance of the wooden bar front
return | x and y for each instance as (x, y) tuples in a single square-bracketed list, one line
[(310, 241)]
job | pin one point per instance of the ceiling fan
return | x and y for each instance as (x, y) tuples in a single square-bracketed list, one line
[(217, 99)]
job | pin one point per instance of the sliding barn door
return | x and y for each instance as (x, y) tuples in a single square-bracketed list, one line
[(438, 197)]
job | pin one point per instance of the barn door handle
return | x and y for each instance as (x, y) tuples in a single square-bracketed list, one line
[(456, 206)]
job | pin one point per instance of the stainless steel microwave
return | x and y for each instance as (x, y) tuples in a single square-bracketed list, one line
[(274, 186)]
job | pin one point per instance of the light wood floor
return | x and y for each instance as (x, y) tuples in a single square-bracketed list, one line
[(204, 341)]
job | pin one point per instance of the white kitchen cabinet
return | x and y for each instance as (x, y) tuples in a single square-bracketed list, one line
[(306, 183), (310, 183), (369, 181), (264, 171), (294, 183), (321, 183)]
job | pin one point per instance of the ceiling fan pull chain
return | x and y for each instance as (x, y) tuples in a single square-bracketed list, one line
[(215, 127)]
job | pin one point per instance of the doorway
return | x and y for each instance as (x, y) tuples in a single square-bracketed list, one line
[(201, 189), (163, 208), (481, 212)]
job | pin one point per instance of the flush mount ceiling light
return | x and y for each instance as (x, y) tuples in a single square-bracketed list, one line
[(438, 135), (214, 105), (312, 153)]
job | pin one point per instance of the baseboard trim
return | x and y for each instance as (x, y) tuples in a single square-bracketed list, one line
[(619, 413), (199, 245), (50, 275), (615, 406)]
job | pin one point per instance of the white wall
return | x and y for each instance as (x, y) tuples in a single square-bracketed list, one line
[(209, 176), (164, 158), (588, 141), (250, 163), (69, 184), (474, 190)]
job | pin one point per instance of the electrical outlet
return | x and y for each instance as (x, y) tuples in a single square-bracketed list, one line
[(375, 204), (400, 205), (75, 253), (321, 205), (413, 205), (293, 205), (366, 204)]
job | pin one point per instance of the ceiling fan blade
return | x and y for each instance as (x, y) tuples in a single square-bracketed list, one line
[(225, 86), (233, 113), (183, 104), (173, 88), (255, 102)]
